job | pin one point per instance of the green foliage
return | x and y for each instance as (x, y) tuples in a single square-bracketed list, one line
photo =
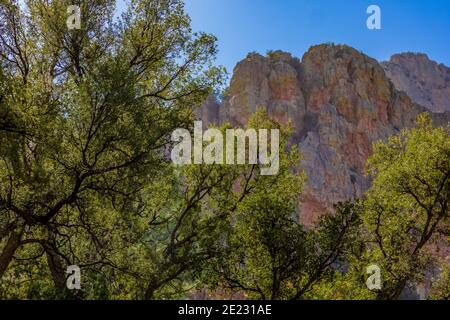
[(402, 218), (269, 255), (85, 123), (84, 174), (440, 289), (85, 118), (263, 232), (407, 207)]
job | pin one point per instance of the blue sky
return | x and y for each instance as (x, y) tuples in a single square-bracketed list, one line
[(243, 26)]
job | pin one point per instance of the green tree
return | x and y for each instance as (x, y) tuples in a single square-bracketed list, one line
[(85, 118), (440, 289), (85, 178), (267, 253), (406, 210)]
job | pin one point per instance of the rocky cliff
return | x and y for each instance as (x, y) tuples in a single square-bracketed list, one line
[(339, 101), (425, 81)]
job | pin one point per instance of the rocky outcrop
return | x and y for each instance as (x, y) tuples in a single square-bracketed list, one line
[(209, 111), (425, 81), (339, 102)]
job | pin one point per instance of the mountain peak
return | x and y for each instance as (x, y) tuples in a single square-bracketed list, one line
[(418, 56), (424, 80)]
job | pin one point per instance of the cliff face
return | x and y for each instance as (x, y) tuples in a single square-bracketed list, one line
[(425, 81), (339, 102)]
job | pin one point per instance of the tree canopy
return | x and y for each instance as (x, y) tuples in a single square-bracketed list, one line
[(86, 117)]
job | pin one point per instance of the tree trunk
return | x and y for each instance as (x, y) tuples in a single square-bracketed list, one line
[(8, 251), (393, 293), (57, 271), (150, 292)]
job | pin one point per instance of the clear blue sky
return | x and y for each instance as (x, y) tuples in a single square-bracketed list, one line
[(294, 25)]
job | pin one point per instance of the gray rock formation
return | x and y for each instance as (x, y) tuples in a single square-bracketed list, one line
[(425, 81)]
